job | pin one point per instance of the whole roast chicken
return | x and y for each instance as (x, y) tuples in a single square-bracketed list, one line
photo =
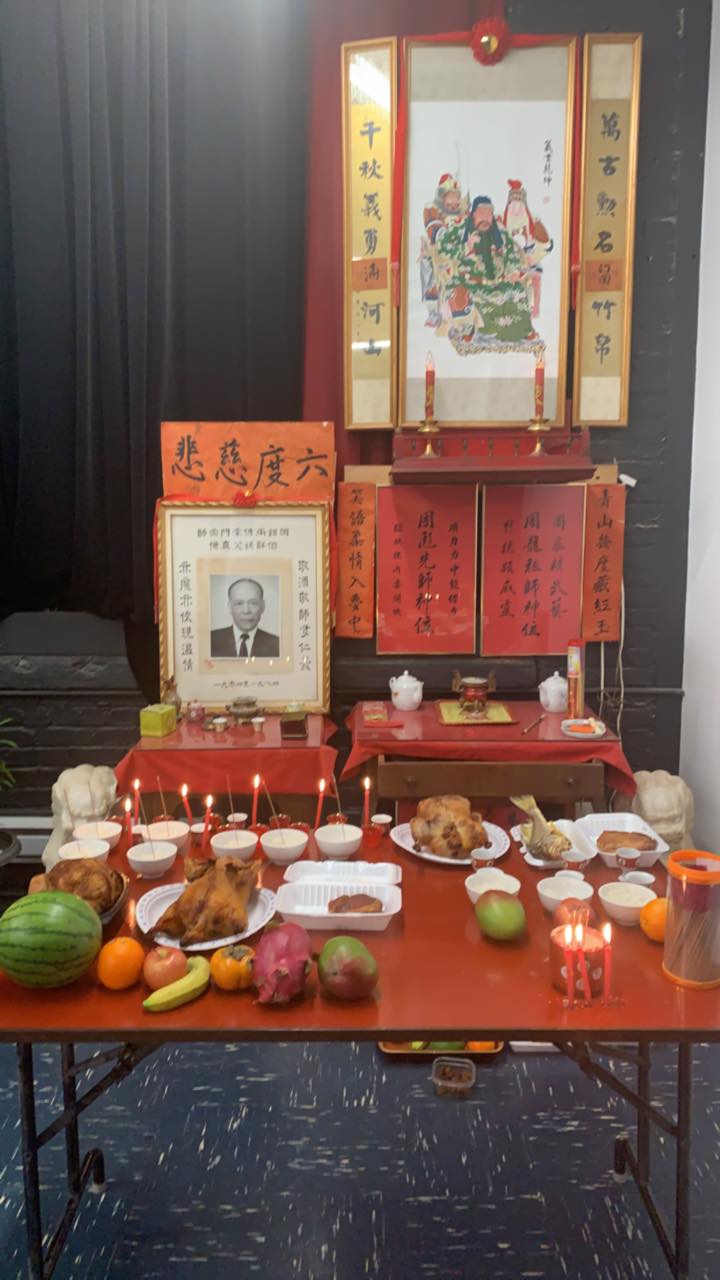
[(446, 826)]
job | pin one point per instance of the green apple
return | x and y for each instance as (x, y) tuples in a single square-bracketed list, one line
[(500, 915)]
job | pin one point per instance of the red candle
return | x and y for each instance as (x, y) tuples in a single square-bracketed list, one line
[(429, 388), (579, 941), (184, 795), (206, 828), (136, 789), (569, 966), (320, 799), (256, 791), (366, 803), (128, 820), (607, 961), (540, 388)]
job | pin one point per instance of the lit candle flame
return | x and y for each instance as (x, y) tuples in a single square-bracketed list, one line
[(579, 934), (256, 781), (184, 790), (209, 801), (322, 785), (568, 935), (136, 784), (127, 804), (607, 933), (366, 783)]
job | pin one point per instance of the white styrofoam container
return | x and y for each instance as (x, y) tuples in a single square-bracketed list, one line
[(369, 872), (305, 902), (593, 825)]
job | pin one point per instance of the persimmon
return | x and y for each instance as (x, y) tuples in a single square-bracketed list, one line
[(120, 963), (231, 968)]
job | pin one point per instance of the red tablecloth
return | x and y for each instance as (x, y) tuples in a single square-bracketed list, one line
[(205, 760), (422, 735)]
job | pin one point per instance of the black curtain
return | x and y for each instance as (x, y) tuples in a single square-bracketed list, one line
[(152, 168)]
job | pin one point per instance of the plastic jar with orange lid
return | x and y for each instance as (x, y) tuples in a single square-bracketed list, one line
[(692, 930)]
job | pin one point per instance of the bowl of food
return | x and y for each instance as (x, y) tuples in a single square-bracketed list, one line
[(282, 845), (490, 878), (624, 901), (98, 849), (171, 832), (109, 831), (152, 858), (555, 889), (338, 840), (234, 844)]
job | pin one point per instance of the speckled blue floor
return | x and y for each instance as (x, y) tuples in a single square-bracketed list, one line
[(326, 1162)]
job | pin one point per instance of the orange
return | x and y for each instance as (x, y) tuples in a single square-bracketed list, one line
[(652, 919), (120, 963)]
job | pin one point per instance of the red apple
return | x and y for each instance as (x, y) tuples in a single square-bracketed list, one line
[(573, 911), (164, 965)]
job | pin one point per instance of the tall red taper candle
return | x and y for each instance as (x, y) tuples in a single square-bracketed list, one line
[(579, 940), (429, 388), (127, 805), (184, 796), (320, 799), (607, 962), (569, 966), (256, 791), (366, 803), (208, 811), (136, 789), (540, 388)]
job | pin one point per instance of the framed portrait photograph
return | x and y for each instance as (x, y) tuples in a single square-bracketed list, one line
[(486, 232), (243, 602)]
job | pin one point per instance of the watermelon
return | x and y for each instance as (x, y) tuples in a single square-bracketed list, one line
[(48, 939)]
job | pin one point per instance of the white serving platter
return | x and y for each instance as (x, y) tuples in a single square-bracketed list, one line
[(402, 836), (593, 825), (150, 907), (578, 841), (598, 732), (305, 903), (368, 872)]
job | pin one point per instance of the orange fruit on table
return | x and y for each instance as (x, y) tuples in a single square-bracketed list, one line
[(120, 963), (653, 918)]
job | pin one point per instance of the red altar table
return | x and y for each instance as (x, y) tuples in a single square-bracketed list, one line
[(473, 988), (421, 735), (204, 760)]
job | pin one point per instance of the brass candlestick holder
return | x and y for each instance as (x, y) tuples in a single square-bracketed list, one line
[(429, 428), (538, 427)]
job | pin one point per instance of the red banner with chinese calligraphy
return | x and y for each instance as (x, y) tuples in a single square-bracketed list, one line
[(427, 571), (603, 566), (532, 564), (281, 461), (355, 601)]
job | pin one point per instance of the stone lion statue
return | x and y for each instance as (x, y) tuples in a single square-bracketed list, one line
[(666, 802), (83, 794)]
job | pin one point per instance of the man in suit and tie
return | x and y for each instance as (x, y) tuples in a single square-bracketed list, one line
[(244, 639)]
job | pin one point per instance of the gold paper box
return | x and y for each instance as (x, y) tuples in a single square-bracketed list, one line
[(157, 720)]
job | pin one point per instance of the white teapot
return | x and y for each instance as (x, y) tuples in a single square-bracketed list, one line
[(554, 693), (406, 692)]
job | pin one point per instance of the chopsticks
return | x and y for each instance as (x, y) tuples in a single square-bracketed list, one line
[(533, 723)]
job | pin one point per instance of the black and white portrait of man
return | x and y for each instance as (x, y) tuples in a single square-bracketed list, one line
[(247, 601)]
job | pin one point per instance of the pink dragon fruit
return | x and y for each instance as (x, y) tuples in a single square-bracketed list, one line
[(281, 963)]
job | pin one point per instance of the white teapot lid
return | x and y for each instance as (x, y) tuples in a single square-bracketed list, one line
[(406, 679)]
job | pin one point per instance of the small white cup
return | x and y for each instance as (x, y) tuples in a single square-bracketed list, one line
[(257, 723)]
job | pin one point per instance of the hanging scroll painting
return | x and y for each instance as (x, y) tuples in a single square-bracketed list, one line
[(607, 218), (486, 231), (368, 71)]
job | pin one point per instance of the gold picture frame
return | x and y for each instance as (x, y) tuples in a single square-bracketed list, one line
[(204, 549), (369, 110), (448, 76), (608, 183)]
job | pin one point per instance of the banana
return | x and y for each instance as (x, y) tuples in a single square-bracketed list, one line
[(192, 984)]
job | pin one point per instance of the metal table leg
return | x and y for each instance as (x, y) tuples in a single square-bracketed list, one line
[(637, 1162), (88, 1172)]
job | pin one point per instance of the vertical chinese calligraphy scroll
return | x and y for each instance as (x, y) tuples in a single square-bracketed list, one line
[(532, 563), (426, 574), (604, 300), (369, 95), (603, 562), (355, 607)]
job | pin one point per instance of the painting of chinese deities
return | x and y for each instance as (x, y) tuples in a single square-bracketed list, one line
[(486, 233)]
